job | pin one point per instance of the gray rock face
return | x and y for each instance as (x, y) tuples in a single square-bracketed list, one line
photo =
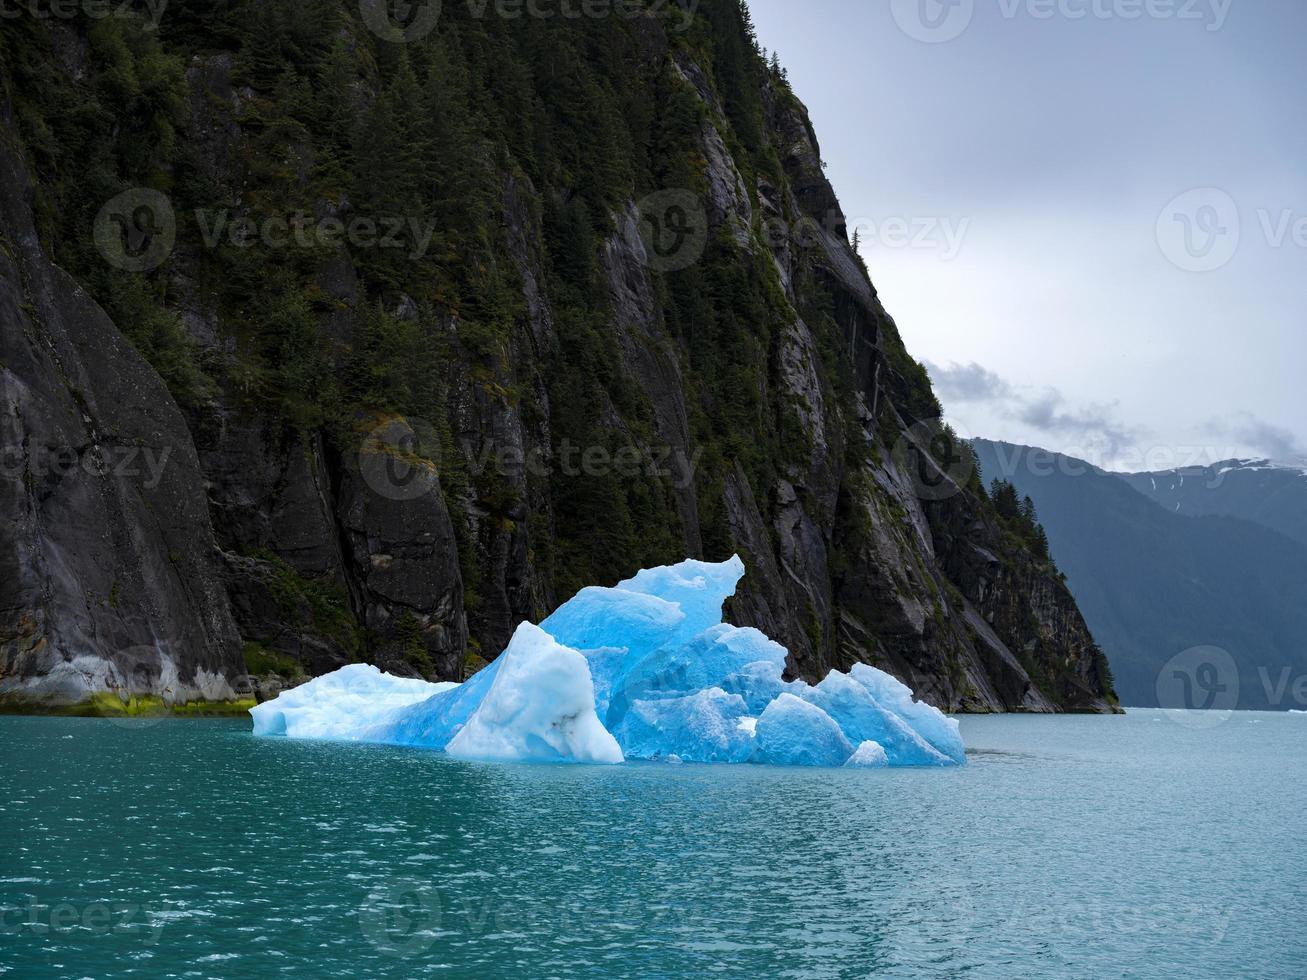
[(269, 490), (652, 361), (403, 559), (109, 573)]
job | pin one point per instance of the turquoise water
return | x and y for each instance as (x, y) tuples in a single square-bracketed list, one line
[(1076, 847)]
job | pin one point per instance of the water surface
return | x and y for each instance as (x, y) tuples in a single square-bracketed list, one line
[(1105, 847)]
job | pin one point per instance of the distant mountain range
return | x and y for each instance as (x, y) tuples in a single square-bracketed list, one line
[(1163, 563), (1265, 493)]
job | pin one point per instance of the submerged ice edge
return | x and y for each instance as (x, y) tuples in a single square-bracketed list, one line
[(643, 671)]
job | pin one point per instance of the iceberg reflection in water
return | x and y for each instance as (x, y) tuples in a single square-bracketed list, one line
[(647, 671)]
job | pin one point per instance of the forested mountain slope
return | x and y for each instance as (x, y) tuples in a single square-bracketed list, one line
[(453, 321)]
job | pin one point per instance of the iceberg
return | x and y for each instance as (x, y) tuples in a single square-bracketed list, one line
[(644, 671)]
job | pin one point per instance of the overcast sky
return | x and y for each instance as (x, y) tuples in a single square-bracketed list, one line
[(1017, 168)]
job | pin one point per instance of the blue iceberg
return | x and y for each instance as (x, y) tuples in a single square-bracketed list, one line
[(646, 670)]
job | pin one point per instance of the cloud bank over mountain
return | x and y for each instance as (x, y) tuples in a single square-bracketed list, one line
[(981, 402)]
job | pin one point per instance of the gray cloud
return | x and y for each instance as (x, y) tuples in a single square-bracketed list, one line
[(1092, 422), (1273, 441), (968, 383), (1044, 410)]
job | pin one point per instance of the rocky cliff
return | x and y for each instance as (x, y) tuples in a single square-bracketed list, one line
[(109, 576), (622, 323)]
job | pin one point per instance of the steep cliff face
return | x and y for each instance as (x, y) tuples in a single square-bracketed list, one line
[(637, 332), (109, 576)]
